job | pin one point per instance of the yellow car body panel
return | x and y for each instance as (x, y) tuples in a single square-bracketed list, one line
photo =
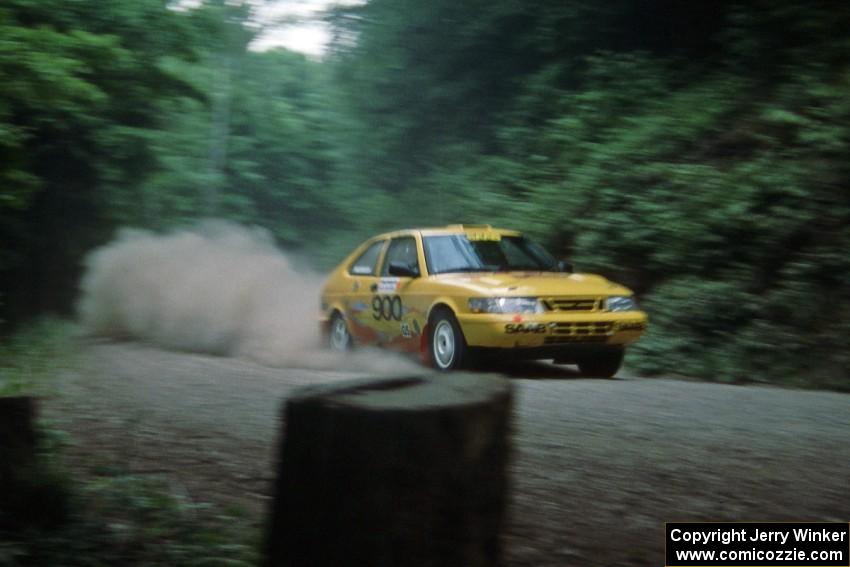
[(394, 311)]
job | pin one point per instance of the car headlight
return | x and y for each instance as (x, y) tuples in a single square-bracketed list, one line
[(505, 305), (621, 303)]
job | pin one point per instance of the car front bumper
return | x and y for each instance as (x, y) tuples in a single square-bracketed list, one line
[(511, 331)]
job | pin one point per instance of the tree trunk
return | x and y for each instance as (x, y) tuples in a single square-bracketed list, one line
[(32, 493), (393, 472), (17, 454)]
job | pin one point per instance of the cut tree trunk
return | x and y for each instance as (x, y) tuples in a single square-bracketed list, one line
[(393, 472), (32, 493), (17, 454)]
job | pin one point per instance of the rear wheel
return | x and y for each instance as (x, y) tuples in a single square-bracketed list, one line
[(448, 347), (601, 365), (339, 338)]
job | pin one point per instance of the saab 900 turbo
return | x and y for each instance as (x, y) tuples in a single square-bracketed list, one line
[(450, 294)]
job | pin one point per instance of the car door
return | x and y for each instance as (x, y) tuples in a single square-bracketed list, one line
[(363, 278), (389, 303)]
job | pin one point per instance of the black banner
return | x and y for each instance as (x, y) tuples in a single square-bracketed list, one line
[(757, 544)]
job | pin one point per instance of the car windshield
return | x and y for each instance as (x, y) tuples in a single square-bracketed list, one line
[(457, 253)]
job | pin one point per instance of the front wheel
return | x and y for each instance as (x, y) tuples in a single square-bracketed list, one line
[(339, 339), (602, 365), (448, 347)]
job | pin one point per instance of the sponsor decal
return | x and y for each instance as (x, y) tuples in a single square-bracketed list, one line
[(358, 307), (405, 331), (513, 328), (387, 308), (386, 285), (484, 235)]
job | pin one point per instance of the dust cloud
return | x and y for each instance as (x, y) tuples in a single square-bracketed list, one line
[(215, 288)]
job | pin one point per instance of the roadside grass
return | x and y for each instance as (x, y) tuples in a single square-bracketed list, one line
[(106, 516), (30, 359), (130, 520)]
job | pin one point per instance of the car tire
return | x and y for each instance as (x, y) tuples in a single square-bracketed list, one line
[(446, 342), (602, 365), (339, 338)]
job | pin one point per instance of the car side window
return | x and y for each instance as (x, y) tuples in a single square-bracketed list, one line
[(401, 250), (366, 263)]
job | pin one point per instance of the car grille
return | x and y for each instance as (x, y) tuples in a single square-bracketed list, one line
[(574, 303), (575, 332)]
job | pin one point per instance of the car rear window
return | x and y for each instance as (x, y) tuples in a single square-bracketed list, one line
[(366, 263)]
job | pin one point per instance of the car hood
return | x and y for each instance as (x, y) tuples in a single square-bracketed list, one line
[(532, 284)]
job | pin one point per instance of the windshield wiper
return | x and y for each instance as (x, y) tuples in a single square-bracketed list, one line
[(523, 268), (465, 269)]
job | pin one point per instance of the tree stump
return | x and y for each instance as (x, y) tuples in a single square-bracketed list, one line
[(31, 492), (393, 472), (17, 454)]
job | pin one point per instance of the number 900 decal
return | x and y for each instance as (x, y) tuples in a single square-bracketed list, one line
[(386, 307)]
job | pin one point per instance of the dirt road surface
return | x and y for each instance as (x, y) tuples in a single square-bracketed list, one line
[(598, 465)]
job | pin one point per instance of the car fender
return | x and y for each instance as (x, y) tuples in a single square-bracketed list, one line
[(443, 301), (424, 339)]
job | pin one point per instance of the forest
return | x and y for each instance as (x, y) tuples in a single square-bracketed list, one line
[(698, 152)]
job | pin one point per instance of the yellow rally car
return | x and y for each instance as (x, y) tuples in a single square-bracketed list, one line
[(450, 293)]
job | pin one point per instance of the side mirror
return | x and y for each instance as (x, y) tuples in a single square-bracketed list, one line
[(403, 270), (566, 267)]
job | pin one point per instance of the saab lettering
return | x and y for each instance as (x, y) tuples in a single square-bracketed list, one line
[(387, 307), (512, 328)]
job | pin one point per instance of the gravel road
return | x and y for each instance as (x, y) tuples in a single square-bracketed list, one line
[(598, 465)]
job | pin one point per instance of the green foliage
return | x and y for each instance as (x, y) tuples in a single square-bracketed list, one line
[(30, 358), (121, 519), (78, 118), (107, 518)]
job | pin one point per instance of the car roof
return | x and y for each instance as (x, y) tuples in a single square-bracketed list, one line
[(475, 229)]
